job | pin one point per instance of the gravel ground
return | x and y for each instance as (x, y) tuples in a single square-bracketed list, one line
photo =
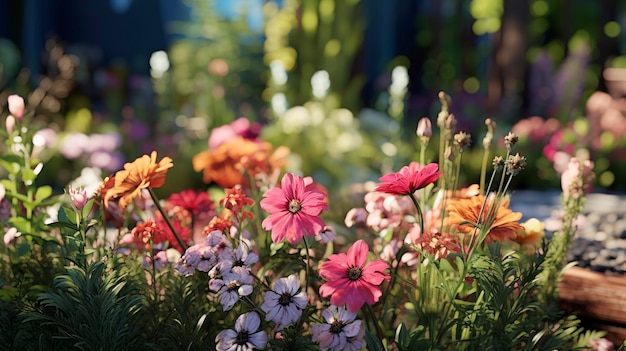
[(600, 243)]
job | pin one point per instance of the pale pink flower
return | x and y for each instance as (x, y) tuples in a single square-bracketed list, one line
[(245, 336), (285, 303), (294, 209), (10, 235), (350, 280), (573, 182), (16, 106), (424, 128), (3, 192), (341, 332), (10, 124), (355, 216), (78, 196)]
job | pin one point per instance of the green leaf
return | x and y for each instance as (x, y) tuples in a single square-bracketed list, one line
[(42, 193), (23, 249), (20, 223), (402, 336), (373, 342), (11, 163)]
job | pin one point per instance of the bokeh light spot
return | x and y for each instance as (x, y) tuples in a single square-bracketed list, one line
[(471, 85), (612, 29)]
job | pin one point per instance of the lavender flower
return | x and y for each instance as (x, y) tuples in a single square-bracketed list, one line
[(230, 287), (340, 332), (245, 335), (285, 303)]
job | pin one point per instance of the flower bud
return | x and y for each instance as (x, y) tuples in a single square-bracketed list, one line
[(16, 106), (424, 128), (10, 123), (78, 196)]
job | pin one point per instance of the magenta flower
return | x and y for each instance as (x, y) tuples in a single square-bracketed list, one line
[(340, 332), (350, 280), (294, 209), (409, 179), (285, 303), (245, 335)]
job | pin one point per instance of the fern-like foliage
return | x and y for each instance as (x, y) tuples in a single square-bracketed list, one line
[(87, 310)]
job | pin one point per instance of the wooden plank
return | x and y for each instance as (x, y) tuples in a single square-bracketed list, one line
[(594, 295)]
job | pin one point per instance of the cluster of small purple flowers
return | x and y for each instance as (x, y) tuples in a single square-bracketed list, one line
[(229, 270)]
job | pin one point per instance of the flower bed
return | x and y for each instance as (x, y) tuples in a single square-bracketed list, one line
[(256, 261)]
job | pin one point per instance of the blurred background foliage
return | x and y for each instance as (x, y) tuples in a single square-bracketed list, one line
[(340, 82)]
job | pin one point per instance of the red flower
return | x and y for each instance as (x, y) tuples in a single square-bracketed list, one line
[(196, 202), (409, 179), (294, 209), (235, 199), (350, 280)]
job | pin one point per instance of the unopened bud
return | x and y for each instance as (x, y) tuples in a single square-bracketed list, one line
[(16, 106), (449, 154), (10, 124), (424, 128)]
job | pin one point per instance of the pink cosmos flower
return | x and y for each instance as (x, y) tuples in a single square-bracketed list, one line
[(340, 332), (16, 106), (409, 179), (350, 280), (294, 209), (285, 303), (245, 335)]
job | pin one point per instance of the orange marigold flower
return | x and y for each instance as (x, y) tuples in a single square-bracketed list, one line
[(140, 174), (503, 223), (225, 165)]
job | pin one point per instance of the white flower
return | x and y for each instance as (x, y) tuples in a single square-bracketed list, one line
[(245, 335), (230, 287), (285, 303), (340, 332)]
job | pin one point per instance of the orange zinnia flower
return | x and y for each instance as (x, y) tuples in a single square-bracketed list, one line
[(502, 224), (225, 164), (140, 174)]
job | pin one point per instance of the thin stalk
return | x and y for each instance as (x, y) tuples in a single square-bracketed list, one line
[(422, 162), (483, 170), (155, 199), (420, 215), (306, 272)]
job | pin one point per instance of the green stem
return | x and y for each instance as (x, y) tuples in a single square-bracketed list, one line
[(155, 199), (420, 215), (306, 272)]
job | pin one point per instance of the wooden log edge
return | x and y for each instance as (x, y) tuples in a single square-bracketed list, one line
[(592, 294)]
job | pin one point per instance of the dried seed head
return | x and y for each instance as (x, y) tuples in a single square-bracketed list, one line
[(515, 164), (510, 140), (498, 162), (463, 140)]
